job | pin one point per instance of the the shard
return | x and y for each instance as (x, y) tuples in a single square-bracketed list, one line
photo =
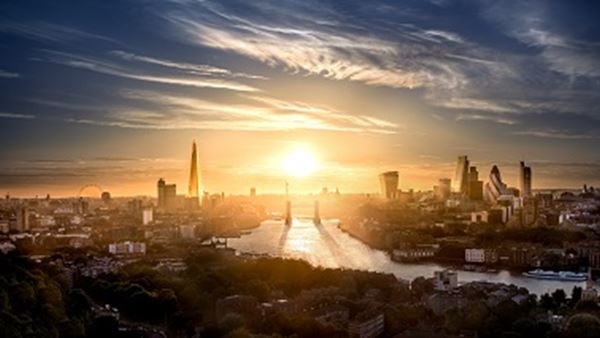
[(194, 186)]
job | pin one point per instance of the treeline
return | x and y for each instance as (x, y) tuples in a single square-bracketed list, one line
[(184, 302), (38, 302)]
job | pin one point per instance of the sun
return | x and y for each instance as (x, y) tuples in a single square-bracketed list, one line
[(300, 163)]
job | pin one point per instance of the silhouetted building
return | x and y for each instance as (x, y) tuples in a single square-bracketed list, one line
[(194, 184), (167, 195), (105, 196), (22, 223), (134, 206), (475, 185), (529, 212), (461, 176), (524, 180), (81, 206), (388, 182)]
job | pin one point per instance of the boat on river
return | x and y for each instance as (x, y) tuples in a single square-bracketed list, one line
[(560, 275)]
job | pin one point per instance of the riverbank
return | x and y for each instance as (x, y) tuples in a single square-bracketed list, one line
[(329, 247)]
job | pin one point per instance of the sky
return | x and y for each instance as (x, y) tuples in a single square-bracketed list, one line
[(113, 93)]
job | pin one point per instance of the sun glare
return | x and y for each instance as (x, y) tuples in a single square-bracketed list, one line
[(300, 163)]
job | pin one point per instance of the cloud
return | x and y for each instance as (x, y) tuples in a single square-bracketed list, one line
[(170, 111), (529, 23), (404, 48), (470, 104), (324, 46), (559, 134), (49, 32), (108, 68), (8, 75), (197, 69), (491, 118), (16, 116)]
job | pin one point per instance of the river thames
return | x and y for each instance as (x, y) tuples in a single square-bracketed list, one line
[(327, 246)]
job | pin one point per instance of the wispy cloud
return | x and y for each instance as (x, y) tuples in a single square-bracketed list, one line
[(16, 116), (528, 22), (324, 46), (169, 111), (49, 32), (464, 103), (197, 69), (559, 134), (108, 68), (490, 118), (8, 75)]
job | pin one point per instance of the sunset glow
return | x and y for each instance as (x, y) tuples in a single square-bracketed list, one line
[(300, 162)]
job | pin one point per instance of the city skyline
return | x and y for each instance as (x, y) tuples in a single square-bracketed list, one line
[(300, 168), (409, 85)]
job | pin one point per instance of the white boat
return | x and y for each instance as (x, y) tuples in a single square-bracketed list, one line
[(561, 275)]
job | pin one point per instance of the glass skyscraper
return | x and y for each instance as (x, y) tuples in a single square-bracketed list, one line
[(461, 177)]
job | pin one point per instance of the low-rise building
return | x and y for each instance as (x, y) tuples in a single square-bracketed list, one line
[(127, 248), (445, 280), (481, 256), (440, 303), (415, 253)]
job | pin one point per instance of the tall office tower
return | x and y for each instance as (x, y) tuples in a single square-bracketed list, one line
[(167, 195), (22, 219), (171, 200), (162, 204), (475, 185), (461, 176), (525, 180), (495, 187), (388, 183), (194, 185)]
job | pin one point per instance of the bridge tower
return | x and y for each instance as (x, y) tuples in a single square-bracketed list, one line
[(288, 206), (288, 213), (317, 215)]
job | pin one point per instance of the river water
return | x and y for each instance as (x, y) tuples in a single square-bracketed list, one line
[(326, 245)]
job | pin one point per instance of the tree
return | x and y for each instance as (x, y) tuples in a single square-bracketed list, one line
[(420, 286), (230, 322), (546, 301), (104, 326), (475, 314), (559, 296), (583, 325), (576, 294)]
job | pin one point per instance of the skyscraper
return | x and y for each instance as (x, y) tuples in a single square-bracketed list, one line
[(194, 185), (461, 176), (475, 185), (160, 187), (388, 183), (167, 195), (22, 219), (524, 180), (495, 187)]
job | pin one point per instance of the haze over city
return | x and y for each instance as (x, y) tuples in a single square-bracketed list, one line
[(409, 85), (300, 168)]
